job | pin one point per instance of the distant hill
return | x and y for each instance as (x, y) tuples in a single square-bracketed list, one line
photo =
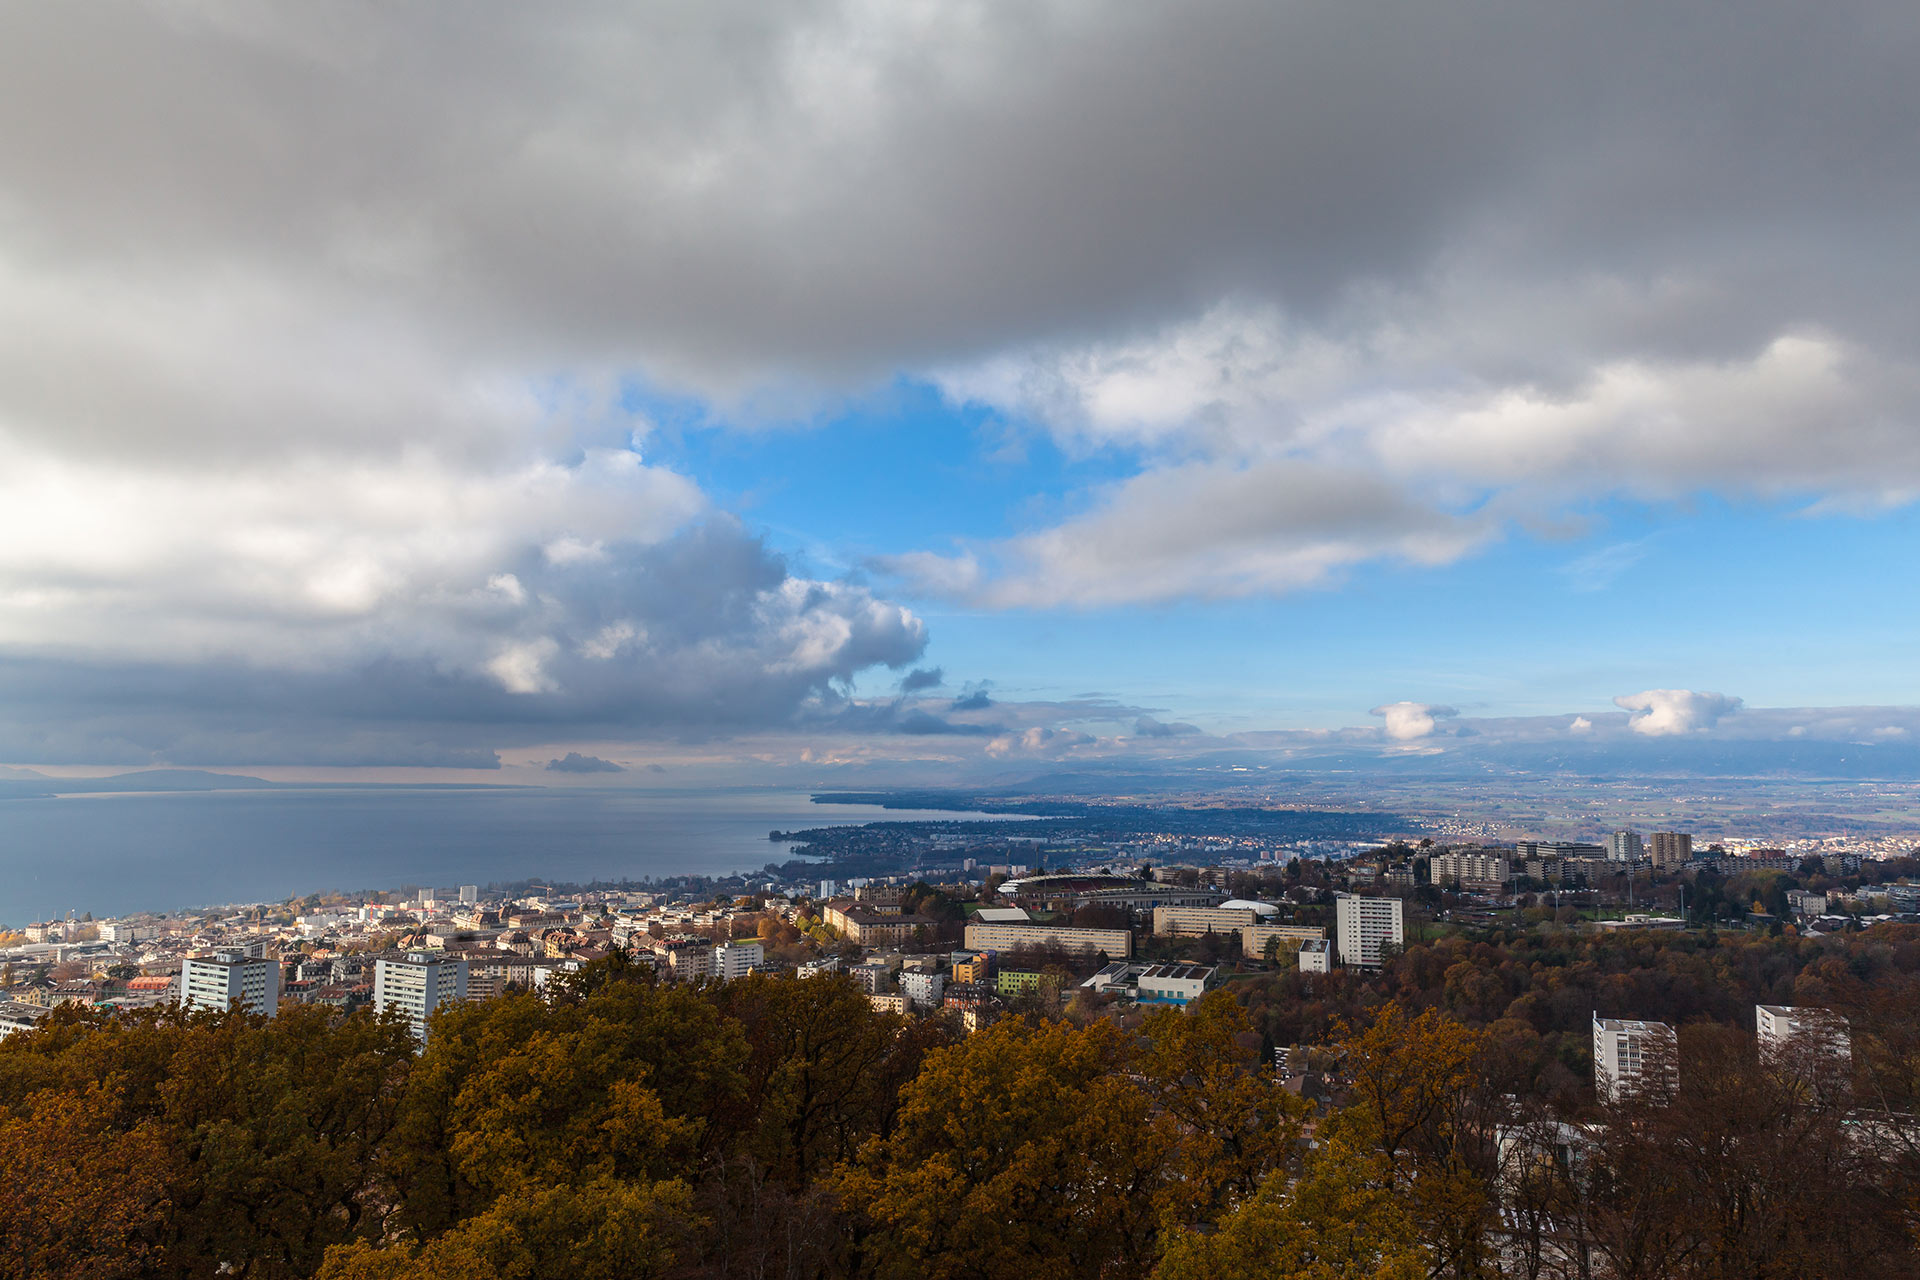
[(26, 782), (166, 780)]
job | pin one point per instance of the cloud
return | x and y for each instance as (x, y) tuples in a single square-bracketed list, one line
[(1580, 725), (975, 700), (917, 721), (704, 633), (922, 678), (1409, 721), (1661, 713), (1597, 570), (574, 762), (1039, 741), (1149, 727), (1204, 529), (316, 369)]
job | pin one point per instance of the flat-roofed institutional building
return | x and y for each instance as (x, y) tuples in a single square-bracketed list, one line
[(1195, 922), (1117, 944), (1254, 938)]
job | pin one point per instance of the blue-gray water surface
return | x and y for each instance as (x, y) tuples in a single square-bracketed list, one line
[(117, 854)]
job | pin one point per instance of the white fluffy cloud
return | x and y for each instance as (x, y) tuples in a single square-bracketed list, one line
[(323, 329), (1660, 713), (1421, 414), (1411, 721), (1040, 741), (1204, 529)]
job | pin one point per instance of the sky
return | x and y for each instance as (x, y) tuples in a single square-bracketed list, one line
[(596, 392)]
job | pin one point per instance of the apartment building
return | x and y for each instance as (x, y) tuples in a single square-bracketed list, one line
[(1671, 849), (216, 981), (737, 960), (1630, 1055), (1788, 1032), (872, 927), (1365, 925), (1469, 867), (923, 990), (1625, 846), (417, 985)]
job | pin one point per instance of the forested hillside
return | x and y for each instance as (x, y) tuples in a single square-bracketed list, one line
[(779, 1127)]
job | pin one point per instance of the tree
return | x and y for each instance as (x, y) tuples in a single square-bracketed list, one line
[(1414, 1082), (1023, 1152), (602, 1231), (822, 1068), (1341, 1221), (80, 1197), (1222, 1121)]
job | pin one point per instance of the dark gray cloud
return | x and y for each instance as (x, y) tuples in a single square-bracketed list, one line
[(922, 678), (704, 634), (1149, 727), (320, 323), (920, 722), (749, 189), (574, 762), (974, 700)]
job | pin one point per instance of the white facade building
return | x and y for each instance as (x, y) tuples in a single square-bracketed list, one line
[(1469, 867), (1364, 926), (216, 981), (1787, 1031), (1625, 846), (1629, 1055), (418, 985), (737, 960), (923, 990), (1197, 922), (1316, 956), (1174, 983), (1115, 943), (119, 931), (1255, 937), (17, 1015)]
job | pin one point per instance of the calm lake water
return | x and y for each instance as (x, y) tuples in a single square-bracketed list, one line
[(115, 854)]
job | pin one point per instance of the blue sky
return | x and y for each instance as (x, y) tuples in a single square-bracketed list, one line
[(1791, 606), (664, 389)]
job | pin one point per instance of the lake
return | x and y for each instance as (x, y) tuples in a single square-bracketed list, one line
[(157, 851)]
